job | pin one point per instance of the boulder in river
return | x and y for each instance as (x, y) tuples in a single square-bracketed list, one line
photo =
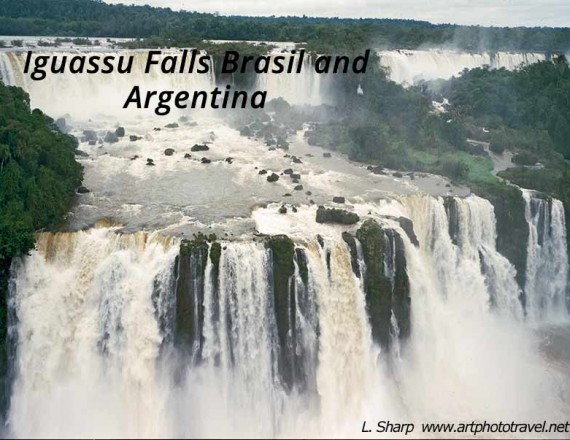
[(338, 199), (199, 147), (120, 132), (172, 125), (83, 190), (333, 215), (206, 160), (272, 178), (327, 155), (150, 162), (169, 152), (89, 135), (111, 138)]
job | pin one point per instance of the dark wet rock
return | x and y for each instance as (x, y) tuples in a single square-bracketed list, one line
[(272, 149), (295, 176), (92, 143), (387, 294), (309, 193), (82, 190), (283, 209), (89, 135), (309, 155), (333, 215), (288, 171), (327, 155), (157, 129), (376, 170), (298, 188), (150, 162), (172, 125), (286, 156), (135, 157), (134, 138), (229, 160), (120, 132), (61, 124), (206, 160), (408, 226), (282, 143), (81, 153), (338, 199), (272, 177), (320, 240), (294, 209), (199, 147), (295, 180), (169, 152), (187, 156), (398, 174), (287, 195), (282, 251), (111, 138), (262, 172), (297, 160)]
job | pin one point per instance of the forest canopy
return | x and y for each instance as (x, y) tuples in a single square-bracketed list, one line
[(38, 173), (93, 18)]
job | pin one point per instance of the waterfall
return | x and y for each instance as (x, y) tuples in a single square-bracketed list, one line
[(96, 340), (296, 88), (88, 312), (469, 351), (67, 93), (411, 66), (546, 286), (104, 94)]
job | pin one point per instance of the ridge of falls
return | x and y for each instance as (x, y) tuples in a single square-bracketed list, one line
[(144, 335), (106, 92), (411, 66)]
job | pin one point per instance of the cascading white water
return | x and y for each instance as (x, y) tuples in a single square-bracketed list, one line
[(469, 354), (410, 66), (87, 95), (95, 320), (296, 88), (88, 336), (546, 285), (91, 357)]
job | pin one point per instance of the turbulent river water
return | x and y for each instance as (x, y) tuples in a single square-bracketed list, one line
[(97, 310)]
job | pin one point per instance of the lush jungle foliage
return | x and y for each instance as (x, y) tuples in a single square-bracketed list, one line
[(38, 173), (96, 19), (526, 111)]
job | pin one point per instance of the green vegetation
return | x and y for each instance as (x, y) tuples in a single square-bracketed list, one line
[(38, 173), (38, 177), (93, 18)]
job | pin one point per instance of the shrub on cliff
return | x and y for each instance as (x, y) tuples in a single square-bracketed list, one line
[(38, 173)]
